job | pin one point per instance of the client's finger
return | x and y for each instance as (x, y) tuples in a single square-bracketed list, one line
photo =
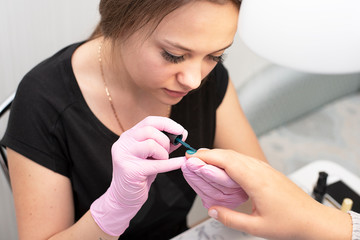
[(233, 219)]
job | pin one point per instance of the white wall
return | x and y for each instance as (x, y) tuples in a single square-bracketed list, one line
[(242, 63), (33, 30)]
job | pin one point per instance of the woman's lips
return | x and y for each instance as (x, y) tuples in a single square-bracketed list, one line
[(175, 94)]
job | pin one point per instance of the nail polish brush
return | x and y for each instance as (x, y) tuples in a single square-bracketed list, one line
[(176, 139)]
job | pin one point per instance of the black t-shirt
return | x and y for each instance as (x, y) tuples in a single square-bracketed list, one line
[(51, 124)]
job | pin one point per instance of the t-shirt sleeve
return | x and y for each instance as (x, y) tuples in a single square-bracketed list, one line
[(355, 217), (33, 129)]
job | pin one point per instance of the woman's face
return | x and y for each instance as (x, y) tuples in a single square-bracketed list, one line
[(183, 49)]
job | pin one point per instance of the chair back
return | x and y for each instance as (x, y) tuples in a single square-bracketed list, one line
[(5, 108)]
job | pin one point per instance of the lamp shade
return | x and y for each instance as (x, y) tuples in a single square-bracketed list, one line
[(317, 36)]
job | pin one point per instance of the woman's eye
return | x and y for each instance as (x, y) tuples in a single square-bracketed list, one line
[(218, 59), (172, 58)]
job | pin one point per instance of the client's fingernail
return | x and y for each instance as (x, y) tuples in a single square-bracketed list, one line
[(213, 213), (190, 152)]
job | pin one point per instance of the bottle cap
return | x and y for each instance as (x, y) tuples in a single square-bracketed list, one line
[(346, 205)]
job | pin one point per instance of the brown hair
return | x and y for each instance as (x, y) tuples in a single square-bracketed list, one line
[(124, 17)]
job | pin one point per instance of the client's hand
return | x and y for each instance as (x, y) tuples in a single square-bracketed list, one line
[(281, 210), (138, 155), (212, 184)]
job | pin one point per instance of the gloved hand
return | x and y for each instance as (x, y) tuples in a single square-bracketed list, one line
[(212, 184), (137, 156)]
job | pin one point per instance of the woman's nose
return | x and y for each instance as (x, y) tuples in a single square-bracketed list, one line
[(190, 77)]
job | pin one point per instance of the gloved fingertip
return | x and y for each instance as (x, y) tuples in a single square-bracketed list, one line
[(194, 163), (184, 168), (213, 213)]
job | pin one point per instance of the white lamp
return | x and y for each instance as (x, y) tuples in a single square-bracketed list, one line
[(317, 36)]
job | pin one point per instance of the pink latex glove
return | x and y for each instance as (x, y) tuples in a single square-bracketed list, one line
[(212, 184), (138, 155)]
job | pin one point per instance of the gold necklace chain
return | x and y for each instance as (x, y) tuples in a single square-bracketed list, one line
[(107, 89), (108, 92)]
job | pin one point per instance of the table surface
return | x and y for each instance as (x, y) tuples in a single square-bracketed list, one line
[(305, 178)]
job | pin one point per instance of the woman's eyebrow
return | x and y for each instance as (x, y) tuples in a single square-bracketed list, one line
[(179, 46)]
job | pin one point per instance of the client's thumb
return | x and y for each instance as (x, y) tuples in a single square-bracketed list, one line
[(230, 218)]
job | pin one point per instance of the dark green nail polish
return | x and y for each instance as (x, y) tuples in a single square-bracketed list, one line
[(190, 152)]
